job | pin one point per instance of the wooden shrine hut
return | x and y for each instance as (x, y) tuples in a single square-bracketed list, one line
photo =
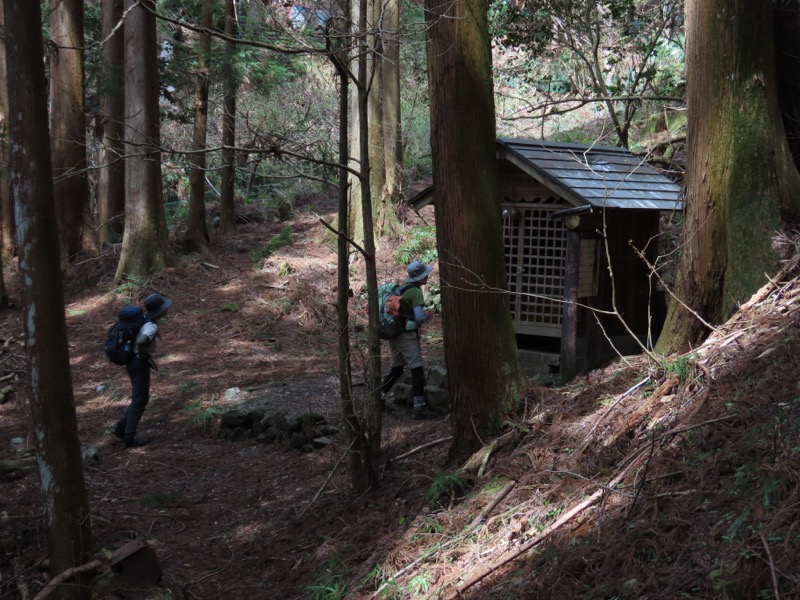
[(575, 219)]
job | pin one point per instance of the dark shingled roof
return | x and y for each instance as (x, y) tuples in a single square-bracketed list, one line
[(599, 176)]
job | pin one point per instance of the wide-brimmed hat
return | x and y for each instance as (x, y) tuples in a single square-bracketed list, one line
[(156, 304), (417, 271)]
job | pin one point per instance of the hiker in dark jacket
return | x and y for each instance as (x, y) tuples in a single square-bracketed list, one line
[(139, 371), (406, 350)]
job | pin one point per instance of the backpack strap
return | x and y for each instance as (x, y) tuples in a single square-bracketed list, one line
[(403, 290), (408, 286)]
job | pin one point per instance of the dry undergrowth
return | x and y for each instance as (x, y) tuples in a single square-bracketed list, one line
[(639, 480)]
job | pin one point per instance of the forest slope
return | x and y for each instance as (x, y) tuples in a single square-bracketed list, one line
[(643, 479)]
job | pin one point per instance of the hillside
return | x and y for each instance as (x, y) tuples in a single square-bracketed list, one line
[(644, 479)]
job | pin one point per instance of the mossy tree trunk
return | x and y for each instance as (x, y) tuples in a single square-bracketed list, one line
[(374, 83), (480, 347), (145, 248), (383, 218), (740, 173), (392, 131)]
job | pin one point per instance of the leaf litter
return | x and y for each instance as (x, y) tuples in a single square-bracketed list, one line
[(676, 479)]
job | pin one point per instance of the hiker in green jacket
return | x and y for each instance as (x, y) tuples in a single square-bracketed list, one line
[(405, 348)]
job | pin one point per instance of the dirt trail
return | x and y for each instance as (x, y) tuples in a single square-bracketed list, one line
[(221, 516)]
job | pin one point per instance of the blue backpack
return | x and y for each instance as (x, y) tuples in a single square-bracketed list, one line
[(121, 336)]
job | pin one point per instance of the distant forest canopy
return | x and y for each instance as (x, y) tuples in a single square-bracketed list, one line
[(609, 71), (239, 101)]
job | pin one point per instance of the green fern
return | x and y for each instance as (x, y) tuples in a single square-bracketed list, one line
[(284, 238), (420, 245), (132, 287), (680, 366), (444, 484), (203, 412), (330, 581)]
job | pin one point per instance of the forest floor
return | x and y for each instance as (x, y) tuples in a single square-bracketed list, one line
[(676, 478)]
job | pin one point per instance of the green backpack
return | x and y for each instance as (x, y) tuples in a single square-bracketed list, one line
[(392, 322)]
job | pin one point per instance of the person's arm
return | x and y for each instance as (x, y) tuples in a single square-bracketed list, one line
[(420, 316)]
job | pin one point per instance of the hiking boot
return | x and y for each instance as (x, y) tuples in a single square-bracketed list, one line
[(119, 431), (135, 442)]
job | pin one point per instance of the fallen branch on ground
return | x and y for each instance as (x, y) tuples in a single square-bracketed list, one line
[(510, 555), (585, 442), (493, 504), (423, 447), (52, 585), (327, 481), (634, 459)]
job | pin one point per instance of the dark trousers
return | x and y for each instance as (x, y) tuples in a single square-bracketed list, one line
[(139, 372), (417, 380)]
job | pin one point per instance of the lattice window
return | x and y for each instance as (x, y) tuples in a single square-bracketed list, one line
[(535, 248)]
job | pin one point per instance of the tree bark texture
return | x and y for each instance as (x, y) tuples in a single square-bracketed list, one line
[(52, 403), (68, 127), (145, 248), (354, 428), (110, 127), (197, 232), (355, 221), (740, 173), (374, 82), (382, 214), (787, 61), (480, 346), (227, 220), (392, 131), (8, 236), (337, 32), (371, 459)]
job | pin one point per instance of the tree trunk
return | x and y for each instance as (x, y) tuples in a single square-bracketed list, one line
[(739, 171), (227, 220), (392, 138), (145, 248), (3, 292), (787, 46), (355, 223), (8, 236), (356, 438), (374, 83), (482, 361), (372, 457), (197, 231), (52, 404), (111, 175), (68, 127), (382, 214)]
